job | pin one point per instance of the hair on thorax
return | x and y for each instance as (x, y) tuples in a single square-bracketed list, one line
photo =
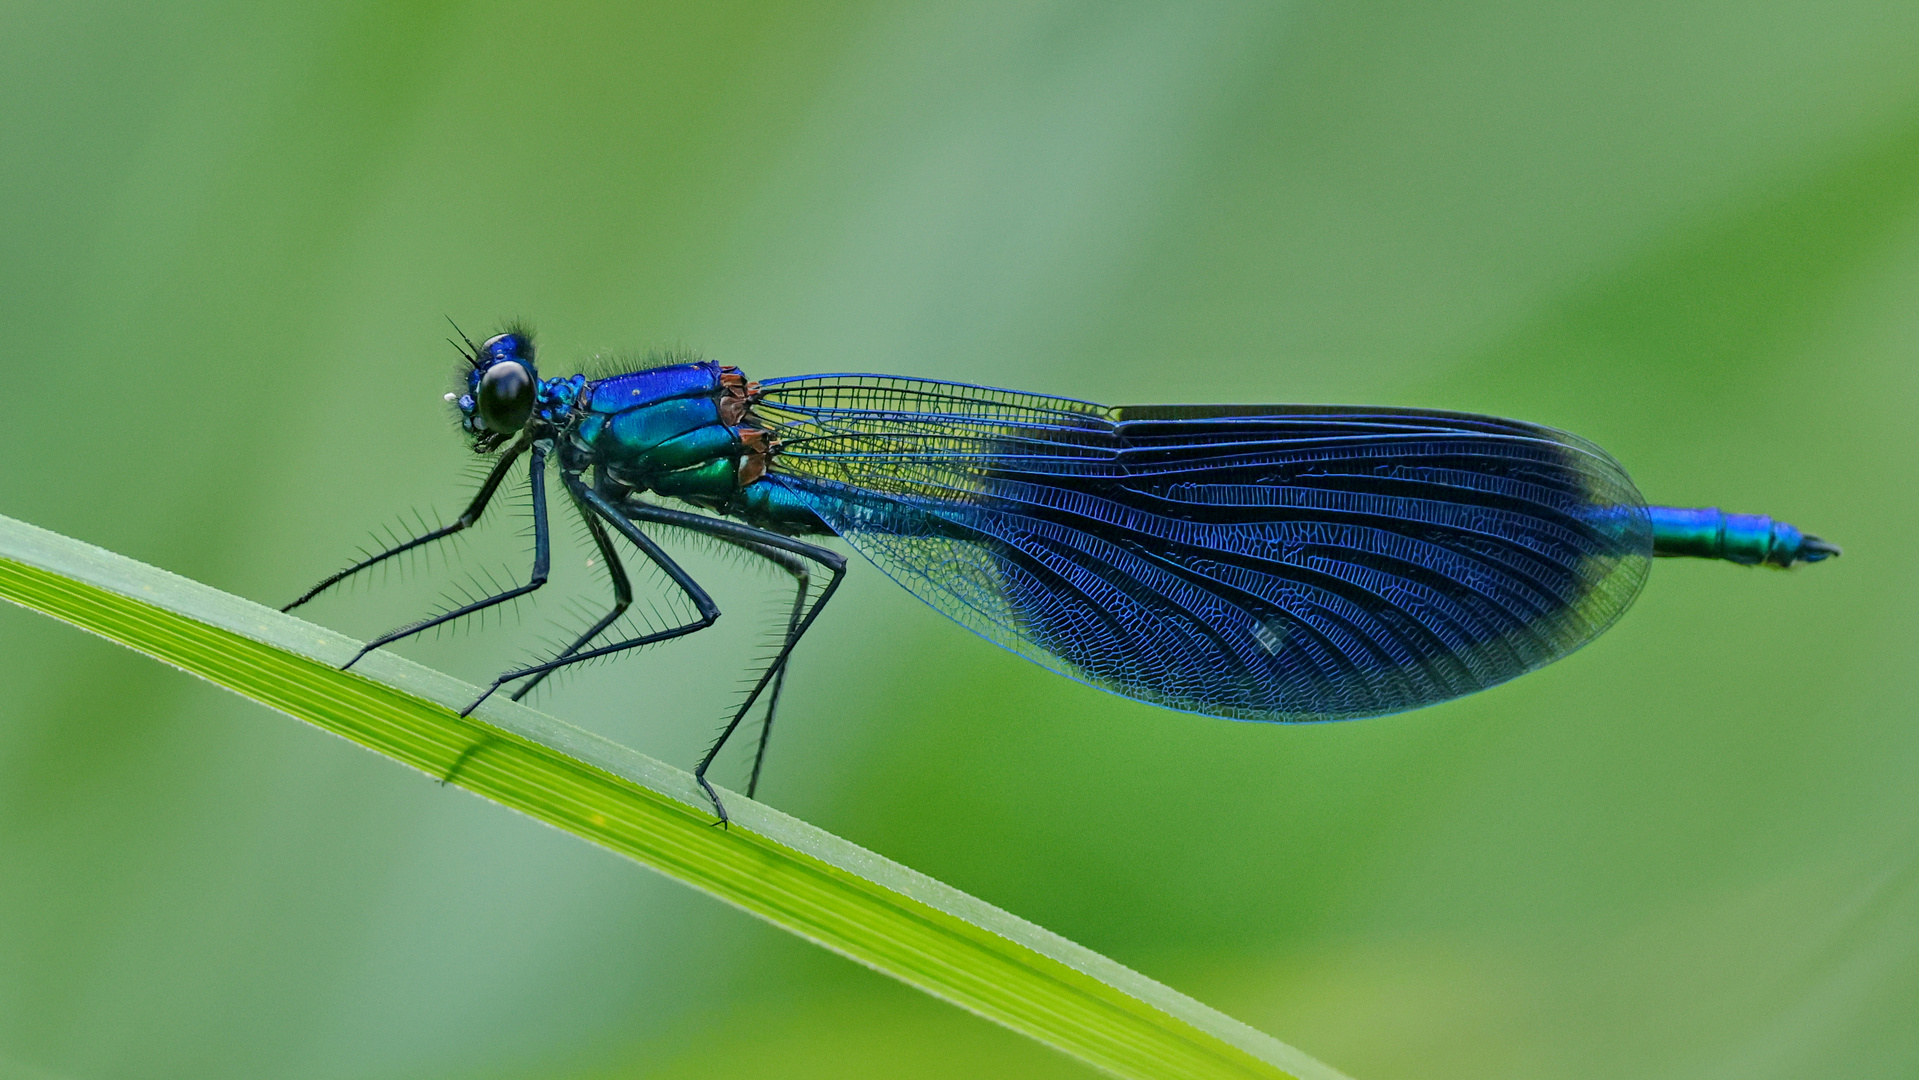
[(607, 365)]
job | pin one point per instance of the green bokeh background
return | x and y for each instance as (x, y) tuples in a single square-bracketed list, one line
[(1688, 231)]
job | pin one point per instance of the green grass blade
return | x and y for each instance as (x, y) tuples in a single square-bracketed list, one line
[(791, 874)]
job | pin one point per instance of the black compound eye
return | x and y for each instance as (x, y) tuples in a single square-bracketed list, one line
[(506, 397)]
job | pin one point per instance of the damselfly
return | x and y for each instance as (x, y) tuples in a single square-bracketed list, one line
[(1285, 563)]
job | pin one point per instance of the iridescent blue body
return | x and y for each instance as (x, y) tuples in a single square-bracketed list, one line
[(1259, 562), (1281, 562)]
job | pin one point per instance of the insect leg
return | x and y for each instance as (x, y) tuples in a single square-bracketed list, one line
[(709, 611), (622, 595), (803, 581), (537, 479), (744, 536), (467, 517)]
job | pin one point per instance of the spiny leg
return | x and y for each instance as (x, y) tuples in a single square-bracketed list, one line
[(622, 595), (709, 611), (467, 517), (536, 479), (803, 581), (743, 535)]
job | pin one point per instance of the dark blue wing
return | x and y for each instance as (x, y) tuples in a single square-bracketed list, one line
[(1281, 562)]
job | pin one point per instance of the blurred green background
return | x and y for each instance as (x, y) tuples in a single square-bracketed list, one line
[(1689, 231)]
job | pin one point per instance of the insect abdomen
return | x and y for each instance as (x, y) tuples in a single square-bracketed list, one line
[(1752, 539)]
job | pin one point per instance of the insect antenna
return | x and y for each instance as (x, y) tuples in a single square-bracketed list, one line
[(471, 351)]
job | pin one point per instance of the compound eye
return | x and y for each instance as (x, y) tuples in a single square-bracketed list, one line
[(508, 346), (506, 397)]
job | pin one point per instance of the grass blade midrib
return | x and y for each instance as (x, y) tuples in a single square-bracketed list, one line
[(806, 881)]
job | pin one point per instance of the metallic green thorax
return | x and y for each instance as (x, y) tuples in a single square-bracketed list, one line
[(1750, 539), (682, 431)]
